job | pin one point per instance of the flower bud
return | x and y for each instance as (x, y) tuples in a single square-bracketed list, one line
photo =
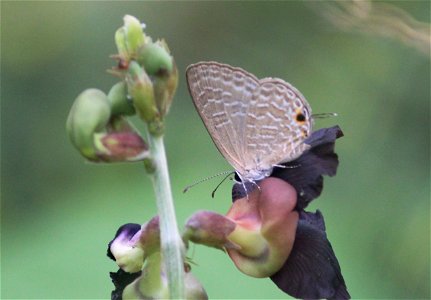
[(120, 42), (118, 97), (149, 238), (210, 229), (152, 76), (164, 89), (120, 147), (155, 59), (141, 90), (89, 114), (122, 142), (134, 35)]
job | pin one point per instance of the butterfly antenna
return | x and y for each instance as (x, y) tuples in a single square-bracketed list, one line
[(205, 179), (324, 115), (218, 185)]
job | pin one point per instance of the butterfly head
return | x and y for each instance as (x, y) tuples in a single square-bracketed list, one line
[(248, 180), (253, 175)]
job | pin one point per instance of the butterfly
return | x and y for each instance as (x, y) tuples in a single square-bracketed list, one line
[(256, 124)]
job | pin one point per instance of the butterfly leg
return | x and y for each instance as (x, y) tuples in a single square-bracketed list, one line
[(254, 182)]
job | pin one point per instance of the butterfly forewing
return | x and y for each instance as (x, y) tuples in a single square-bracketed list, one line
[(222, 96)]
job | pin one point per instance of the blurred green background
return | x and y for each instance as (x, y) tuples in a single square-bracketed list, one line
[(58, 212)]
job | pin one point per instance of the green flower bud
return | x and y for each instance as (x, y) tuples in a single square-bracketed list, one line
[(135, 37), (155, 59), (151, 77), (120, 42), (141, 90), (164, 90), (120, 104), (163, 44), (89, 114)]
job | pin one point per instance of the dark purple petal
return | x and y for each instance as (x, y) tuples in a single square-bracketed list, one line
[(238, 190), (121, 279), (324, 136), (305, 173), (128, 230), (312, 270), (313, 219)]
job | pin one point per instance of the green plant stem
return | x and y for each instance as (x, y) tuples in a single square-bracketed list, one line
[(171, 242)]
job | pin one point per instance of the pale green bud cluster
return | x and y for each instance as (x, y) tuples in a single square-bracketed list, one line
[(96, 124), (149, 71)]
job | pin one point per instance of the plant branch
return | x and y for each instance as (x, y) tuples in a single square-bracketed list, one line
[(171, 242)]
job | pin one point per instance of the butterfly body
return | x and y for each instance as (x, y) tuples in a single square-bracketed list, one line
[(255, 124)]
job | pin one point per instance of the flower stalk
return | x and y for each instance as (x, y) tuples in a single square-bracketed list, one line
[(171, 242)]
